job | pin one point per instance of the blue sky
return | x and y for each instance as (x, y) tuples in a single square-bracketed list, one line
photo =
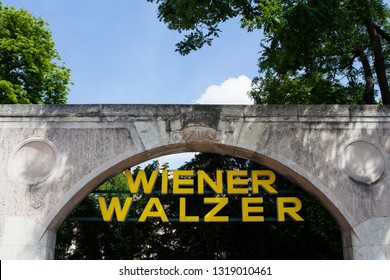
[(119, 52)]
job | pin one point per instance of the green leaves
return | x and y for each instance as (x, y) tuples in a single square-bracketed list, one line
[(198, 19), (29, 69), (310, 52), (305, 41), (295, 88)]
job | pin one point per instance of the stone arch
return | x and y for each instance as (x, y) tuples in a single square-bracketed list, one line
[(283, 166), (337, 153)]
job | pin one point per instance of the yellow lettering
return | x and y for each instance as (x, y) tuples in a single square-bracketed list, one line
[(220, 203), (164, 182), (216, 186), (264, 183), (141, 178), (283, 209), (183, 216), (115, 207), (179, 181), (247, 209), (158, 213), (233, 179)]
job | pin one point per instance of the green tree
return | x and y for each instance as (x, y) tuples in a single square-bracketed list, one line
[(313, 51), (30, 69)]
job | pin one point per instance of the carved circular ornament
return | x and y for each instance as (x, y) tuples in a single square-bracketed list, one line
[(363, 161), (32, 161)]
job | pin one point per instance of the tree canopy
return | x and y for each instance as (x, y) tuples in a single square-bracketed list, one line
[(312, 51), (30, 67)]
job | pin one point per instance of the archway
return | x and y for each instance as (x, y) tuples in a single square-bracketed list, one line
[(337, 153), (84, 234), (272, 164)]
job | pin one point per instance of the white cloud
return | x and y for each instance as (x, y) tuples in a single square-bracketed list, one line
[(231, 91)]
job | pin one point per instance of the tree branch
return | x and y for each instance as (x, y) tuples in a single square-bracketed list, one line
[(368, 95), (381, 32), (379, 63)]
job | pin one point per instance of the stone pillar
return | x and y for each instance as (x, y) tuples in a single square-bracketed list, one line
[(30, 168), (369, 240), (24, 239)]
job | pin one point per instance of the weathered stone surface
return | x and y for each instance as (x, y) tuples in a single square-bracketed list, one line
[(363, 161), (52, 156)]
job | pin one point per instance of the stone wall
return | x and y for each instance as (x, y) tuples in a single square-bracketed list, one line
[(53, 156)]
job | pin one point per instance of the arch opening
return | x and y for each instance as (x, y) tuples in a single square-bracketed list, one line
[(282, 166), (266, 161)]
